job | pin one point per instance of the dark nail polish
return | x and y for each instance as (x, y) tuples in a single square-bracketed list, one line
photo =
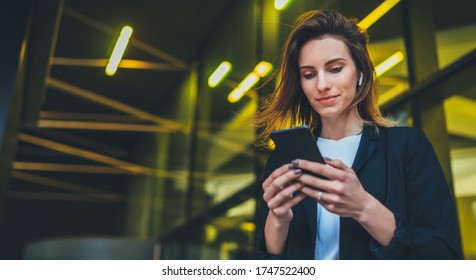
[(295, 162), (290, 166), (297, 171), (327, 159)]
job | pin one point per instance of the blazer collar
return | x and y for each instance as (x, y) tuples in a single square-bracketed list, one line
[(370, 137)]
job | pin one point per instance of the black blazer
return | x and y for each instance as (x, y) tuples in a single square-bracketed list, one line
[(398, 166)]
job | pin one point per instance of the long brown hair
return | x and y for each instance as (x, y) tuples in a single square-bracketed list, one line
[(288, 106)]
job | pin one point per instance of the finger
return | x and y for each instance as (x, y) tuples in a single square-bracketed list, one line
[(283, 209), (325, 170), (317, 183), (312, 192), (280, 183), (283, 196), (323, 198), (339, 165), (278, 172)]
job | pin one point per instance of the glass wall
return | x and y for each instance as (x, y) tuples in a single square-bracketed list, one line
[(456, 38), (461, 121)]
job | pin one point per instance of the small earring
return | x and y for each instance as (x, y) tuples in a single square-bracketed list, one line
[(361, 79)]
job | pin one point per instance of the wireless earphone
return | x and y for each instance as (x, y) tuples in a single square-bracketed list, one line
[(361, 79)]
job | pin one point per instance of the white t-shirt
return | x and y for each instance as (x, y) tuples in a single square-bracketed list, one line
[(328, 224)]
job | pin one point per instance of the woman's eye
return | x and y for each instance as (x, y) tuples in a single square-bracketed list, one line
[(336, 69), (308, 76)]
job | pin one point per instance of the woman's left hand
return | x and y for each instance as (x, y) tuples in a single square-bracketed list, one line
[(341, 194)]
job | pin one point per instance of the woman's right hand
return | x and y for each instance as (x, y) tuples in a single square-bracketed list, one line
[(281, 193)]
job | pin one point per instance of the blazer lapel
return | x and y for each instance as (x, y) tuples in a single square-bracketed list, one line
[(367, 145)]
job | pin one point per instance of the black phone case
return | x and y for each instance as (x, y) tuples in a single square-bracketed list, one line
[(296, 143)]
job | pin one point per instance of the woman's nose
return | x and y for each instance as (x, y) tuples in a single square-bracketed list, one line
[(322, 83)]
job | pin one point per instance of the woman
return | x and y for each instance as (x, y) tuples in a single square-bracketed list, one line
[(393, 203)]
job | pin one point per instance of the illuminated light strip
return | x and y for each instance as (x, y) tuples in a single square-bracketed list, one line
[(135, 168), (105, 126), (219, 74), (260, 70), (243, 87), (263, 68), (389, 63), (376, 14), (280, 4), (119, 50)]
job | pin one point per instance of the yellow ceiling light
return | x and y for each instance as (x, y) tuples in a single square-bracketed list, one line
[(243, 87), (219, 74), (389, 63), (119, 50), (280, 4), (377, 13), (263, 68)]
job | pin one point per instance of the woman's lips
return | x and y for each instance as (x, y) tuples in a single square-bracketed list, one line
[(327, 99)]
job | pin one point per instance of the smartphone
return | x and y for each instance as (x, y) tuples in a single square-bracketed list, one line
[(296, 143)]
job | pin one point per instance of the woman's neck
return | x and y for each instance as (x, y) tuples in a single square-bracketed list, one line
[(338, 128)]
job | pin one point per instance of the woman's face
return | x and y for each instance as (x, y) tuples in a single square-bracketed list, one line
[(328, 76)]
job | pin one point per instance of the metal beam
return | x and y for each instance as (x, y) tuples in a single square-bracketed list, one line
[(135, 168), (111, 103), (62, 185), (174, 126), (40, 45), (49, 196), (55, 115), (72, 168), (14, 20), (104, 126), (455, 78), (83, 142), (422, 59)]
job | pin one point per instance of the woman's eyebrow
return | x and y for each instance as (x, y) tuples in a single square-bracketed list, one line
[(306, 67), (327, 63), (335, 60)]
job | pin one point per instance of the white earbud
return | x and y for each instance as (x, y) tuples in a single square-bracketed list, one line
[(361, 79)]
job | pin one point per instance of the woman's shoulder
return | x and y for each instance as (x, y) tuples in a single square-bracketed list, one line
[(401, 131), (405, 134)]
